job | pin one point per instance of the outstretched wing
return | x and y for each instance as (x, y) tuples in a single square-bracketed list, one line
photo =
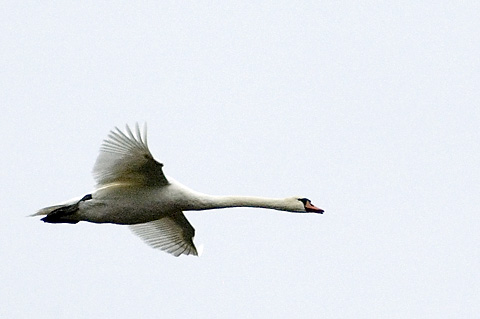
[(173, 234), (125, 158)]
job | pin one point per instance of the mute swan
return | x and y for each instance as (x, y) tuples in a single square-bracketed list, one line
[(132, 190)]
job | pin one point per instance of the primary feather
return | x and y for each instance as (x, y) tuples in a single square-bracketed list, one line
[(127, 159)]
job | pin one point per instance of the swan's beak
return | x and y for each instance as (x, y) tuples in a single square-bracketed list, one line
[(310, 208)]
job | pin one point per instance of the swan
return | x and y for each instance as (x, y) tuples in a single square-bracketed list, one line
[(133, 190)]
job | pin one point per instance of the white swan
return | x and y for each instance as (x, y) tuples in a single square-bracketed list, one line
[(132, 190)]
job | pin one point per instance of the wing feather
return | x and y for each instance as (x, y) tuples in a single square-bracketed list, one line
[(125, 158), (173, 234)]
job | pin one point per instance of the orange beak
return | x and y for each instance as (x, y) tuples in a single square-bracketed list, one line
[(309, 207)]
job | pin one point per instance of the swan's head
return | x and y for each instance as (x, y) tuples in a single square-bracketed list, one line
[(304, 205)]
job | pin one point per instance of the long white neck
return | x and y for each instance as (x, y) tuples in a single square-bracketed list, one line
[(188, 199), (212, 202)]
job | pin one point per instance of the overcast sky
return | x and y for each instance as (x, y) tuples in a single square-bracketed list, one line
[(370, 109)]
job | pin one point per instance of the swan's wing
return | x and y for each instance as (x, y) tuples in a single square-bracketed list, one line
[(172, 233), (125, 158)]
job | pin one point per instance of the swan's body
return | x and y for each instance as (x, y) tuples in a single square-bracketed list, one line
[(132, 190)]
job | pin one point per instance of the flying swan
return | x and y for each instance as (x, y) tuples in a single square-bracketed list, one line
[(132, 190)]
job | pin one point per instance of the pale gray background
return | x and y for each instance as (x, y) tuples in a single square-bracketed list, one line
[(370, 109)]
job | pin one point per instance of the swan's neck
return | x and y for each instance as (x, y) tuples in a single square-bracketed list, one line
[(212, 202), (188, 199)]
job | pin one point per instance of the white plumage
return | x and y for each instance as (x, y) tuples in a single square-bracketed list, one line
[(133, 190)]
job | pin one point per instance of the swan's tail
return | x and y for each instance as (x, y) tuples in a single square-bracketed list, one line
[(58, 214), (63, 213), (46, 210)]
